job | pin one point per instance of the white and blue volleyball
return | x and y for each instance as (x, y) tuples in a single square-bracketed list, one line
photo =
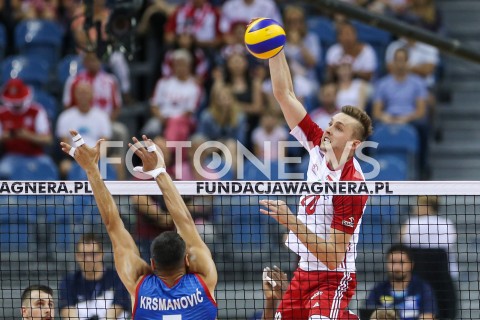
[(264, 38)]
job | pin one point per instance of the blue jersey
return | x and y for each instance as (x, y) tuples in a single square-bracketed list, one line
[(188, 299)]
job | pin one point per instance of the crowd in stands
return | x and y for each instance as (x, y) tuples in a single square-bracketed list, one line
[(201, 60), (208, 87)]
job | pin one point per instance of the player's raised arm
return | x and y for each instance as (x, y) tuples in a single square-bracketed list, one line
[(292, 109), (199, 255), (130, 266)]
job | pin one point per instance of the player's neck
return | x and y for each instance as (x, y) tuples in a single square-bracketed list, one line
[(172, 277)]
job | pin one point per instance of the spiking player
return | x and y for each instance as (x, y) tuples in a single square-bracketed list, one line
[(180, 281), (324, 233)]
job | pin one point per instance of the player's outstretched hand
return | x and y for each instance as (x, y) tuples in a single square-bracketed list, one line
[(275, 283), (150, 154), (87, 157), (278, 210)]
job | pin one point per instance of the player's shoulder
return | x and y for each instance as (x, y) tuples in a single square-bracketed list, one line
[(352, 171)]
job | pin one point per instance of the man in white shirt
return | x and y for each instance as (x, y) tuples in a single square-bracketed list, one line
[(422, 58), (245, 10), (92, 123)]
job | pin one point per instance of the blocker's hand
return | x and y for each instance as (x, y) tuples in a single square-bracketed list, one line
[(278, 210), (275, 283), (150, 154), (87, 157)]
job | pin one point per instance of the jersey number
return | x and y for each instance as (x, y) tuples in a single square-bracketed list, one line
[(174, 317)]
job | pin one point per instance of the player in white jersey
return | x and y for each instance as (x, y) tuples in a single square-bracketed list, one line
[(325, 230)]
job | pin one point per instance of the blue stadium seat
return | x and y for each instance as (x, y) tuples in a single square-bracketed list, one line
[(325, 31), (254, 173), (17, 223), (76, 173), (40, 38), (34, 168), (48, 102), (33, 71), (68, 66), (392, 168), (249, 226), (380, 217), (399, 140), (3, 41)]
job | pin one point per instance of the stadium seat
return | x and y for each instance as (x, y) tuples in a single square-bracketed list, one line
[(325, 29), (68, 66), (380, 216), (3, 41), (400, 140), (76, 173), (392, 168), (33, 71), (17, 223), (34, 168), (254, 173), (39, 38), (48, 102)]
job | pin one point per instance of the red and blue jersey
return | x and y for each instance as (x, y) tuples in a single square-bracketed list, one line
[(187, 299)]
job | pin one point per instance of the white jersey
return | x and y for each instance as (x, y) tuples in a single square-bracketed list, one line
[(322, 213)]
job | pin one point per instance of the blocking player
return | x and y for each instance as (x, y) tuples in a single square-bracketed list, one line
[(180, 281)]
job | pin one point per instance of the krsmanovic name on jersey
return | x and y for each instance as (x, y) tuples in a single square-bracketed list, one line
[(160, 304), (292, 187)]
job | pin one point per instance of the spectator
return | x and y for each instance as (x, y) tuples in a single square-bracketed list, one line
[(94, 291), (303, 49), (268, 136), (384, 314), (84, 39), (37, 303), (245, 10), (223, 120), (350, 91), (186, 40), (401, 98), (236, 43), (422, 58), (174, 101), (364, 60), (92, 123), (327, 96), (40, 9), (246, 87), (106, 96), (425, 14), (196, 17), (411, 296), (425, 229), (24, 125)]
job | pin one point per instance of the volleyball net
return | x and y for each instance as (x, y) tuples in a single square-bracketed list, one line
[(40, 223)]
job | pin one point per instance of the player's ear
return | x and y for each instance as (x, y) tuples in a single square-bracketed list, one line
[(152, 264), (355, 144), (187, 261)]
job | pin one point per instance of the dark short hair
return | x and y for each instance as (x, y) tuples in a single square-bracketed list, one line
[(400, 248), (90, 238), (168, 251), (365, 129), (35, 287)]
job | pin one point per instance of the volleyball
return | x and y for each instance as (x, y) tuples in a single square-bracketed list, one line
[(264, 38)]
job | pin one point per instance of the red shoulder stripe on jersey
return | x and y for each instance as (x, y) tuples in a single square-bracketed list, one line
[(205, 288), (311, 130), (136, 294)]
